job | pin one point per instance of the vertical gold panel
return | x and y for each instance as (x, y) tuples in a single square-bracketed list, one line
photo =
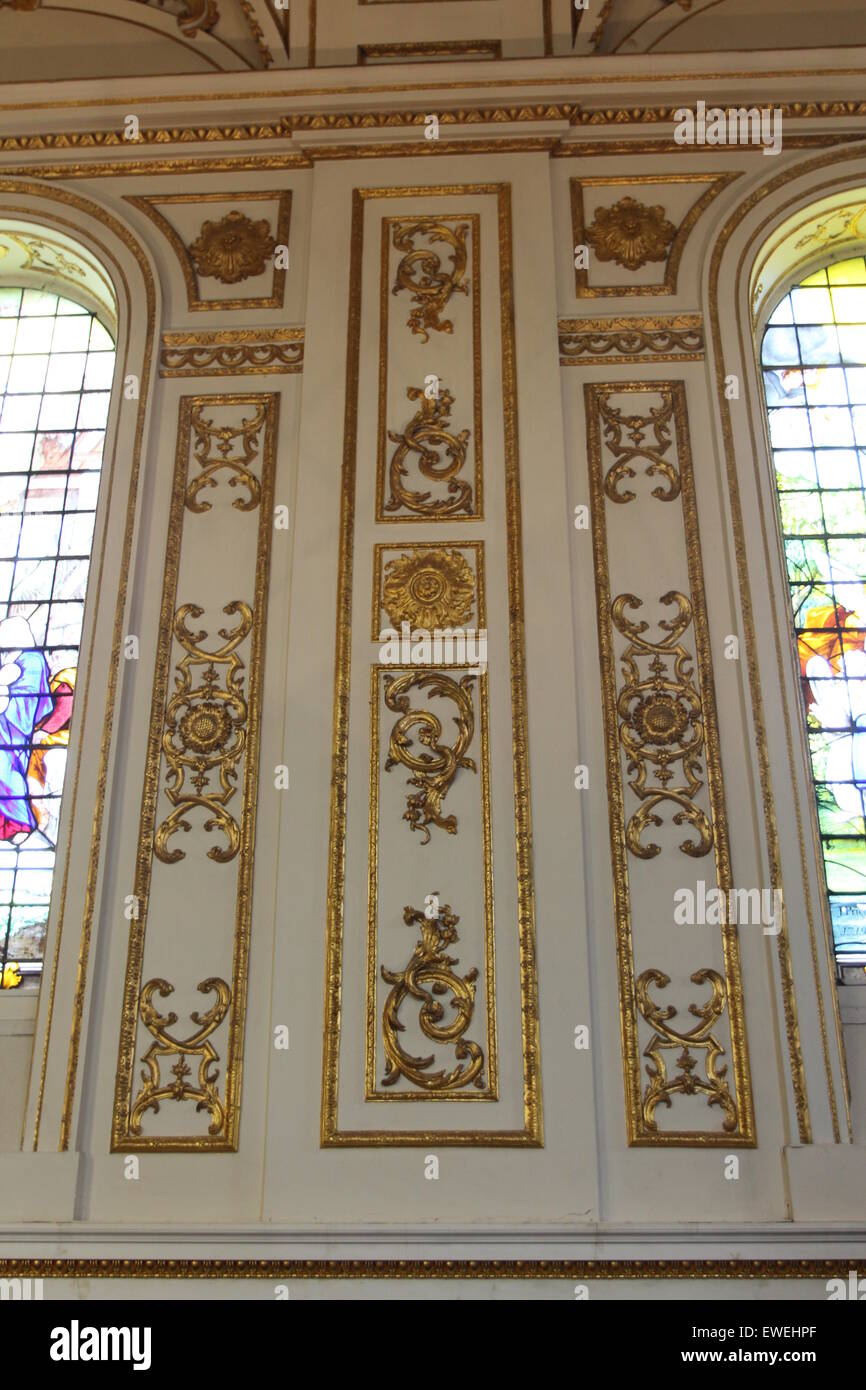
[(418, 303), (204, 738), (657, 722)]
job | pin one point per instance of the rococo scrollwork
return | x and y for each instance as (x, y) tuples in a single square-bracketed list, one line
[(636, 428), (429, 973), (213, 446), (205, 733), (661, 726), (421, 272), (429, 426), (432, 771), (661, 1087), (429, 588), (154, 1090)]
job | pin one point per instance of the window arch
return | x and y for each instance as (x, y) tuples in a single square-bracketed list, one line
[(56, 371), (813, 358)]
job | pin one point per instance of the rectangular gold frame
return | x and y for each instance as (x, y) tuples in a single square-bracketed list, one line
[(121, 1139), (477, 547), (744, 1136), (531, 1135), (477, 514)]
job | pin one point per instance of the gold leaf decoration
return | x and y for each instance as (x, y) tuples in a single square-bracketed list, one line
[(429, 589), (685, 1082), (661, 725), (635, 427), (420, 271), (205, 733), (630, 233), (435, 770), (429, 425), (213, 447), (233, 249), (154, 1090), (429, 973)]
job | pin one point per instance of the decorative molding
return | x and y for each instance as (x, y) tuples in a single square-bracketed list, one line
[(633, 234), (432, 772), (654, 717), (258, 34), (434, 50), (217, 728), (232, 249), (592, 342), (568, 1270), (193, 17), (232, 352), (433, 288), (429, 973)]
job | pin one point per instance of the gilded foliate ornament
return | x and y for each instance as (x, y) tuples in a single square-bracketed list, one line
[(429, 589), (631, 234), (233, 249)]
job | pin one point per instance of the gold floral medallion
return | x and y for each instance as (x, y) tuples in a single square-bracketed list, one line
[(631, 234), (429, 589), (233, 249)]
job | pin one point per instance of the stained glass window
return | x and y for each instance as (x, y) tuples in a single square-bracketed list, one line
[(56, 369), (814, 366)]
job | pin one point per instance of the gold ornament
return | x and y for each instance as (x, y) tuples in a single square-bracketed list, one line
[(665, 1037), (434, 286), (233, 249), (429, 425), (205, 1093), (433, 771), (661, 724), (205, 731), (636, 427), (630, 233), (429, 965), (429, 589)]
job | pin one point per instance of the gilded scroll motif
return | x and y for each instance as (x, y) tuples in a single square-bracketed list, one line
[(154, 1090), (432, 772), (656, 337), (234, 248), (428, 973), (421, 272), (213, 446), (429, 426), (429, 588), (661, 726), (205, 733), (230, 352), (635, 427), (661, 1087), (630, 233)]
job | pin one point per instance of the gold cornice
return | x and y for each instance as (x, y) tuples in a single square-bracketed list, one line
[(425, 1269), (293, 123)]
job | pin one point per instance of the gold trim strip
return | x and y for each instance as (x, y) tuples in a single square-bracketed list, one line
[(744, 1135), (643, 338), (121, 1138), (491, 1089), (426, 1269), (532, 1133)]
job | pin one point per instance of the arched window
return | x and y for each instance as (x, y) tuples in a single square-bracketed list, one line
[(814, 367), (56, 369)]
